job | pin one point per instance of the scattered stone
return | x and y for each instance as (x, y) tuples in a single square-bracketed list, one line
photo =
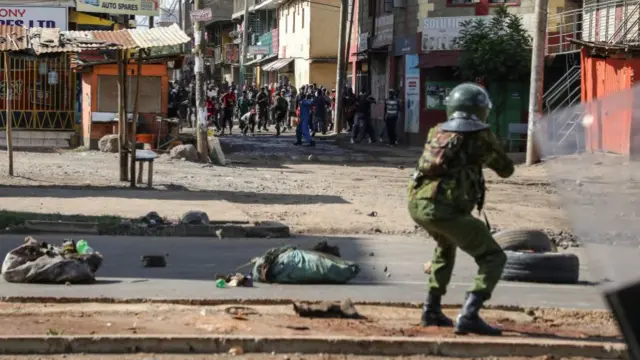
[(108, 143), (235, 351), (312, 157), (195, 218), (563, 239), (372, 254), (327, 309), (184, 152)]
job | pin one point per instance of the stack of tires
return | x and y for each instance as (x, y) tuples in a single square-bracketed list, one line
[(532, 257)]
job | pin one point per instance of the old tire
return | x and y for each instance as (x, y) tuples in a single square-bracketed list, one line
[(195, 218), (523, 239), (551, 268)]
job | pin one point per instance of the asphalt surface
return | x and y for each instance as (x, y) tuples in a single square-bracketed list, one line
[(193, 263)]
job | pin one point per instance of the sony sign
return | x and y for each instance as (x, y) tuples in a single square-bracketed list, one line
[(34, 16)]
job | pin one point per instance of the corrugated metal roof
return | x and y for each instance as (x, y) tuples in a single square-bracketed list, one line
[(160, 36), (277, 65), (12, 38), (44, 40)]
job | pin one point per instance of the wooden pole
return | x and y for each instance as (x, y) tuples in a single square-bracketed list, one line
[(8, 121), (125, 118), (201, 132), (536, 84), (132, 151), (121, 114)]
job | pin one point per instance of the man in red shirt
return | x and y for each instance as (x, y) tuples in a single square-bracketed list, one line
[(228, 101)]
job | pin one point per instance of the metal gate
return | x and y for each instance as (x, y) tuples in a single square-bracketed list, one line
[(42, 93)]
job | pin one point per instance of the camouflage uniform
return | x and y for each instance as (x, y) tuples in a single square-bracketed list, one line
[(447, 185)]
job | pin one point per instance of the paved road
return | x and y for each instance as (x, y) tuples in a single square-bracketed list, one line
[(194, 261)]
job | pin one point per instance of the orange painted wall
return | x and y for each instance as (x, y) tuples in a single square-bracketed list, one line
[(606, 80), (95, 131)]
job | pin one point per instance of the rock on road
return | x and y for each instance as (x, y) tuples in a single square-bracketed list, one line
[(193, 262)]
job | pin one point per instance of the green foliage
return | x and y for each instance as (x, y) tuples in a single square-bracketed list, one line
[(498, 50)]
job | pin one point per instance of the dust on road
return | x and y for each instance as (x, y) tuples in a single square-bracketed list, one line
[(309, 197)]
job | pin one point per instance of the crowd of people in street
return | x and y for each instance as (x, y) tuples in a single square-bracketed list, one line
[(311, 109)]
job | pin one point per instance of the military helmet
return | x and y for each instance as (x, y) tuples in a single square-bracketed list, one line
[(468, 107)]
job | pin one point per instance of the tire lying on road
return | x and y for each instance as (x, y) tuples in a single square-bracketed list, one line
[(524, 239), (551, 268)]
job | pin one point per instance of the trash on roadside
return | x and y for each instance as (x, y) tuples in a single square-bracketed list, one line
[(240, 312), (234, 351), (234, 280), (154, 260), (40, 262), (290, 265), (327, 309)]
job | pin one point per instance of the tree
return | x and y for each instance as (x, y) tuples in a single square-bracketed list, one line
[(495, 51)]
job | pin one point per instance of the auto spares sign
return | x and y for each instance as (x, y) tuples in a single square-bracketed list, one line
[(34, 16), (120, 7)]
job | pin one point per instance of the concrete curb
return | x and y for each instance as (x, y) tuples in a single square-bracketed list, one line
[(221, 229), (386, 346)]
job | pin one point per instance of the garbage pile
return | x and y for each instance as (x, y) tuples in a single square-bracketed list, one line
[(44, 263), (290, 265)]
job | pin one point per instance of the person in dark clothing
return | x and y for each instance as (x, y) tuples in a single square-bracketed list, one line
[(280, 110), (362, 122), (262, 106), (349, 100), (191, 107), (320, 104), (391, 110)]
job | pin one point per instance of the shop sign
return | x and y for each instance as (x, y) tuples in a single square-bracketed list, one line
[(384, 31), (437, 92), (275, 41), (34, 16), (259, 50), (438, 33), (120, 7), (405, 45)]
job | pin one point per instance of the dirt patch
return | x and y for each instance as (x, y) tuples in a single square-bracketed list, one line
[(164, 319), (251, 357), (312, 198)]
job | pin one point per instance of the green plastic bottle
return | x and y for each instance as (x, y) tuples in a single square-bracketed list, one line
[(82, 246), (221, 284)]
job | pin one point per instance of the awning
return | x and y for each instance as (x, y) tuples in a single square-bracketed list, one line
[(263, 59), (444, 58), (277, 65)]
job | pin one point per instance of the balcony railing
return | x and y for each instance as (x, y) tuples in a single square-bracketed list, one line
[(217, 55), (607, 21)]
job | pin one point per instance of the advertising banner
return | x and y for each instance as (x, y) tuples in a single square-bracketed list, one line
[(120, 7), (34, 16), (411, 94)]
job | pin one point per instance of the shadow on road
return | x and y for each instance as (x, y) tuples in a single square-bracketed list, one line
[(239, 197)]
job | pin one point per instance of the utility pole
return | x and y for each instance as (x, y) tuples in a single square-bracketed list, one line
[(344, 7), (536, 84), (180, 21), (201, 127), (349, 34), (245, 38)]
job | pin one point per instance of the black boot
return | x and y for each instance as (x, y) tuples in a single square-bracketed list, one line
[(469, 321), (432, 314)]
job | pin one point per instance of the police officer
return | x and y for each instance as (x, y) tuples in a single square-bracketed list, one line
[(391, 109), (446, 186)]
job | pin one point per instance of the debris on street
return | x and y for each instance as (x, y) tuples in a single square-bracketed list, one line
[(290, 265), (344, 309), (40, 262), (154, 260), (234, 280)]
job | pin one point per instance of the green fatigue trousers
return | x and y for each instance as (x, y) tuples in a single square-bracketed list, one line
[(469, 234)]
